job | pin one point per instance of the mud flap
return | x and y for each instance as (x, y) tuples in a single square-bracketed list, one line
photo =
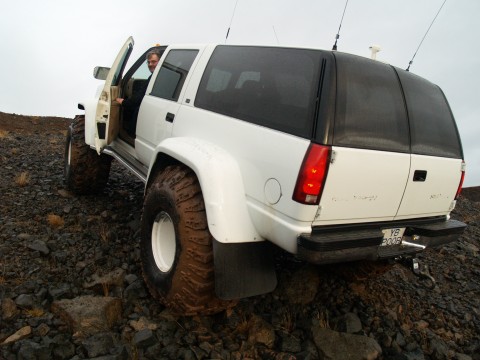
[(243, 269)]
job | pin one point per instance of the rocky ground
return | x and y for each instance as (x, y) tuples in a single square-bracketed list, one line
[(71, 285)]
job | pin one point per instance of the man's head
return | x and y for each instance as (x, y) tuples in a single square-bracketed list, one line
[(153, 56)]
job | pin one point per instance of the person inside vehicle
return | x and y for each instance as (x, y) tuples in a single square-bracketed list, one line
[(131, 105)]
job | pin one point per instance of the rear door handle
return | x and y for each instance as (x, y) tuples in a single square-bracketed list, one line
[(170, 117), (420, 175)]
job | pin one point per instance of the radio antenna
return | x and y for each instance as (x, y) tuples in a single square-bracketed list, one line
[(275, 33), (424, 36), (231, 20), (338, 32)]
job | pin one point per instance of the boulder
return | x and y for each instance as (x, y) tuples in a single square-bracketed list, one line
[(88, 315), (332, 345)]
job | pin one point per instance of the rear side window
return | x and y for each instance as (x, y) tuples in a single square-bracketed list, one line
[(272, 87), (370, 110), (172, 74), (433, 129)]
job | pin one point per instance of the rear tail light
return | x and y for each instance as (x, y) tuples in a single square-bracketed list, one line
[(459, 190), (312, 175)]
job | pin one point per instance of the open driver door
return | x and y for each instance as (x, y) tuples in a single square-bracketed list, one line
[(107, 117)]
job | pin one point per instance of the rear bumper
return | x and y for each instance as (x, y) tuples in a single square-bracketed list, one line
[(352, 243)]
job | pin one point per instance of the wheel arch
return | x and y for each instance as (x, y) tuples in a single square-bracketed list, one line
[(90, 107), (220, 180)]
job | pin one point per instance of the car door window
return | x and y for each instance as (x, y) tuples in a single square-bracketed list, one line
[(172, 74)]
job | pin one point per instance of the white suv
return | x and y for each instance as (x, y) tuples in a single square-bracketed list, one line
[(329, 156)]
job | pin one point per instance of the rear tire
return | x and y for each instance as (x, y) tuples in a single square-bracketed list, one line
[(176, 245), (85, 171)]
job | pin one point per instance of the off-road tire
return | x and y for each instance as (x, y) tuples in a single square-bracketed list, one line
[(182, 276), (85, 171)]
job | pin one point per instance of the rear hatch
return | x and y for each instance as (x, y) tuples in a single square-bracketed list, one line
[(396, 152), (436, 159)]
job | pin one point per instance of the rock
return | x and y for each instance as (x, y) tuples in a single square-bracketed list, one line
[(302, 287), (400, 340), (9, 308), (40, 246), (31, 350), (102, 284), (414, 355), (144, 338), (385, 340), (65, 193), (19, 335), (98, 344), (290, 343), (143, 323), (24, 301), (468, 247), (58, 291), (439, 349), (88, 315), (459, 356), (135, 290), (63, 348), (260, 332), (352, 323), (131, 278), (421, 325), (342, 346), (42, 330)]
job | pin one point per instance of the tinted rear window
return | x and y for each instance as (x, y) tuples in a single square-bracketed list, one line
[(433, 129), (370, 110), (273, 87)]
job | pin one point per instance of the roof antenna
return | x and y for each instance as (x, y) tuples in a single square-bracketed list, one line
[(231, 20), (275, 33), (338, 32), (424, 36)]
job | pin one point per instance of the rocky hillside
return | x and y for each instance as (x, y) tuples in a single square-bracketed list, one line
[(71, 285)]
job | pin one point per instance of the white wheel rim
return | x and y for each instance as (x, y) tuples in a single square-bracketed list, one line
[(163, 241)]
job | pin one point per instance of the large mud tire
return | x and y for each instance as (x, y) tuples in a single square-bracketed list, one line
[(85, 171), (176, 245)]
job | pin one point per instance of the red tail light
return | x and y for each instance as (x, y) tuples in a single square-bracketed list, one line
[(459, 190), (312, 175)]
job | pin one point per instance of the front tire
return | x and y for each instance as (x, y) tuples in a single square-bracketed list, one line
[(176, 245), (85, 171)]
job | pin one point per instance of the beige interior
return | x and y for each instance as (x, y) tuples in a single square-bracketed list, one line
[(114, 121)]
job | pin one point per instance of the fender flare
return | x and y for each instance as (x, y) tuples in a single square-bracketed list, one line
[(222, 187), (90, 107)]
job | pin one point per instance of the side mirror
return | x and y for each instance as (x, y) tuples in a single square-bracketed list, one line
[(100, 72)]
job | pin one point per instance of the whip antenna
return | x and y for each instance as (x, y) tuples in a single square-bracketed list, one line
[(424, 36), (231, 20), (338, 32), (275, 33)]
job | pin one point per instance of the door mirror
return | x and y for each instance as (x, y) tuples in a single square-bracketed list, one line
[(100, 72)]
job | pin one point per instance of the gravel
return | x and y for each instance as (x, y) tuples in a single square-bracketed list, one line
[(56, 247)]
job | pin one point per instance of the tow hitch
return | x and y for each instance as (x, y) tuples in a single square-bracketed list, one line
[(419, 269)]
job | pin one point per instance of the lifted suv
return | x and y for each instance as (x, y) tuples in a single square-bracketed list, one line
[(329, 156)]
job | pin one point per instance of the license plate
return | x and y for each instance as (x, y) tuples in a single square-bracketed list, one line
[(392, 236)]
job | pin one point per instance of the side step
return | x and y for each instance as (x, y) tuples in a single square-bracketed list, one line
[(127, 160)]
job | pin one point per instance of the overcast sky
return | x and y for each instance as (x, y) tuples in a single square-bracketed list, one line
[(50, 47)]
